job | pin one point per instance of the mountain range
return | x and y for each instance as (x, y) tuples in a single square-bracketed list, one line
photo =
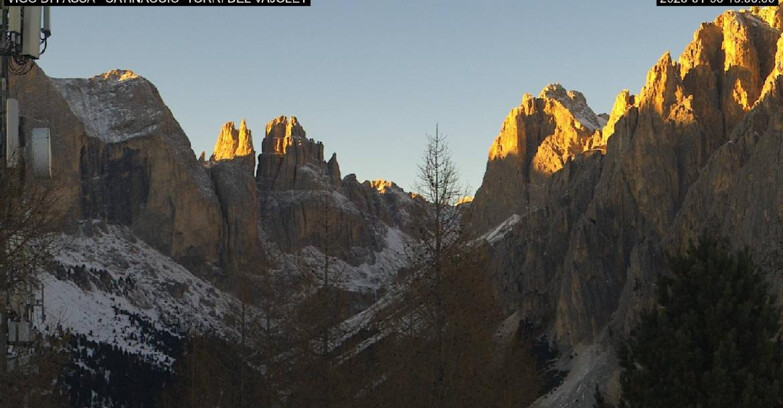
[(576, 213)]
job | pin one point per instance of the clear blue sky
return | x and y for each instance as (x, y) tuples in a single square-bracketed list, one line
[(370, 78)]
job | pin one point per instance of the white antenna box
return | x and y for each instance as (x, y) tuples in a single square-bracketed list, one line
[(31, 32), (41, 153)]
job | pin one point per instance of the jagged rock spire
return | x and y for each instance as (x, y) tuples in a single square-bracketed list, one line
[(233, 143), (537, 138), (289, 160), (245, 146), (281, 134)]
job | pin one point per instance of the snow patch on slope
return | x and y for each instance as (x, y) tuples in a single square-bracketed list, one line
[(501, 230), (587, 366), (371, 277), (115, 289), (115, 106), (575, 102), (367, 277)]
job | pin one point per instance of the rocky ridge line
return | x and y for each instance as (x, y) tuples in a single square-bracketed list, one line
[(697, 149)]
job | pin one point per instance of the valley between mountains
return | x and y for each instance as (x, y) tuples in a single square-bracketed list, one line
[(570, 229)]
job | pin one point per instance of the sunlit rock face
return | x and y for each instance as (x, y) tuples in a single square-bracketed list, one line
[(772, 15), (536, 140), (281, 133), (290, 161), (697, 148), (738, 193), (382, 186), (235, 144)]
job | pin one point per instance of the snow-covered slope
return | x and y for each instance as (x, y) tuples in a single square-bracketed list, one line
[(103, 104), (367, 277), (115, 289)]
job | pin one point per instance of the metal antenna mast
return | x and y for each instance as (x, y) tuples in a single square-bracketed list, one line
[(21, 36)]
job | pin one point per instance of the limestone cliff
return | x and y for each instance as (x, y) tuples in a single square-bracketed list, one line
[(119, 155), (298, 189), (238, 196), (536, 140), (289, 160), (697, 149), (304, 202), (234, 143)]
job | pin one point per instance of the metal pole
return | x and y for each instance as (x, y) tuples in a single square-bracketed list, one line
[(4, 47)]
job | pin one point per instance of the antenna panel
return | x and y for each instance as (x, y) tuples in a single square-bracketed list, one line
[(41, 148), (15, 19), (31, 32)]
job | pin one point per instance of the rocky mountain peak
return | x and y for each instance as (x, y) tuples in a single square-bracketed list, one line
[(569, 109), (553, 90), (245, 146), (725, 68), (333, 169), (381, 185), (663, 87), (283, 131), (290, 161), (118, 75), (729, 66), (101, 103), (233, 142), (574, 102), (123, 158), (227, 142), (468, 199), (697, 149), (537, 138), (622, 104)]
